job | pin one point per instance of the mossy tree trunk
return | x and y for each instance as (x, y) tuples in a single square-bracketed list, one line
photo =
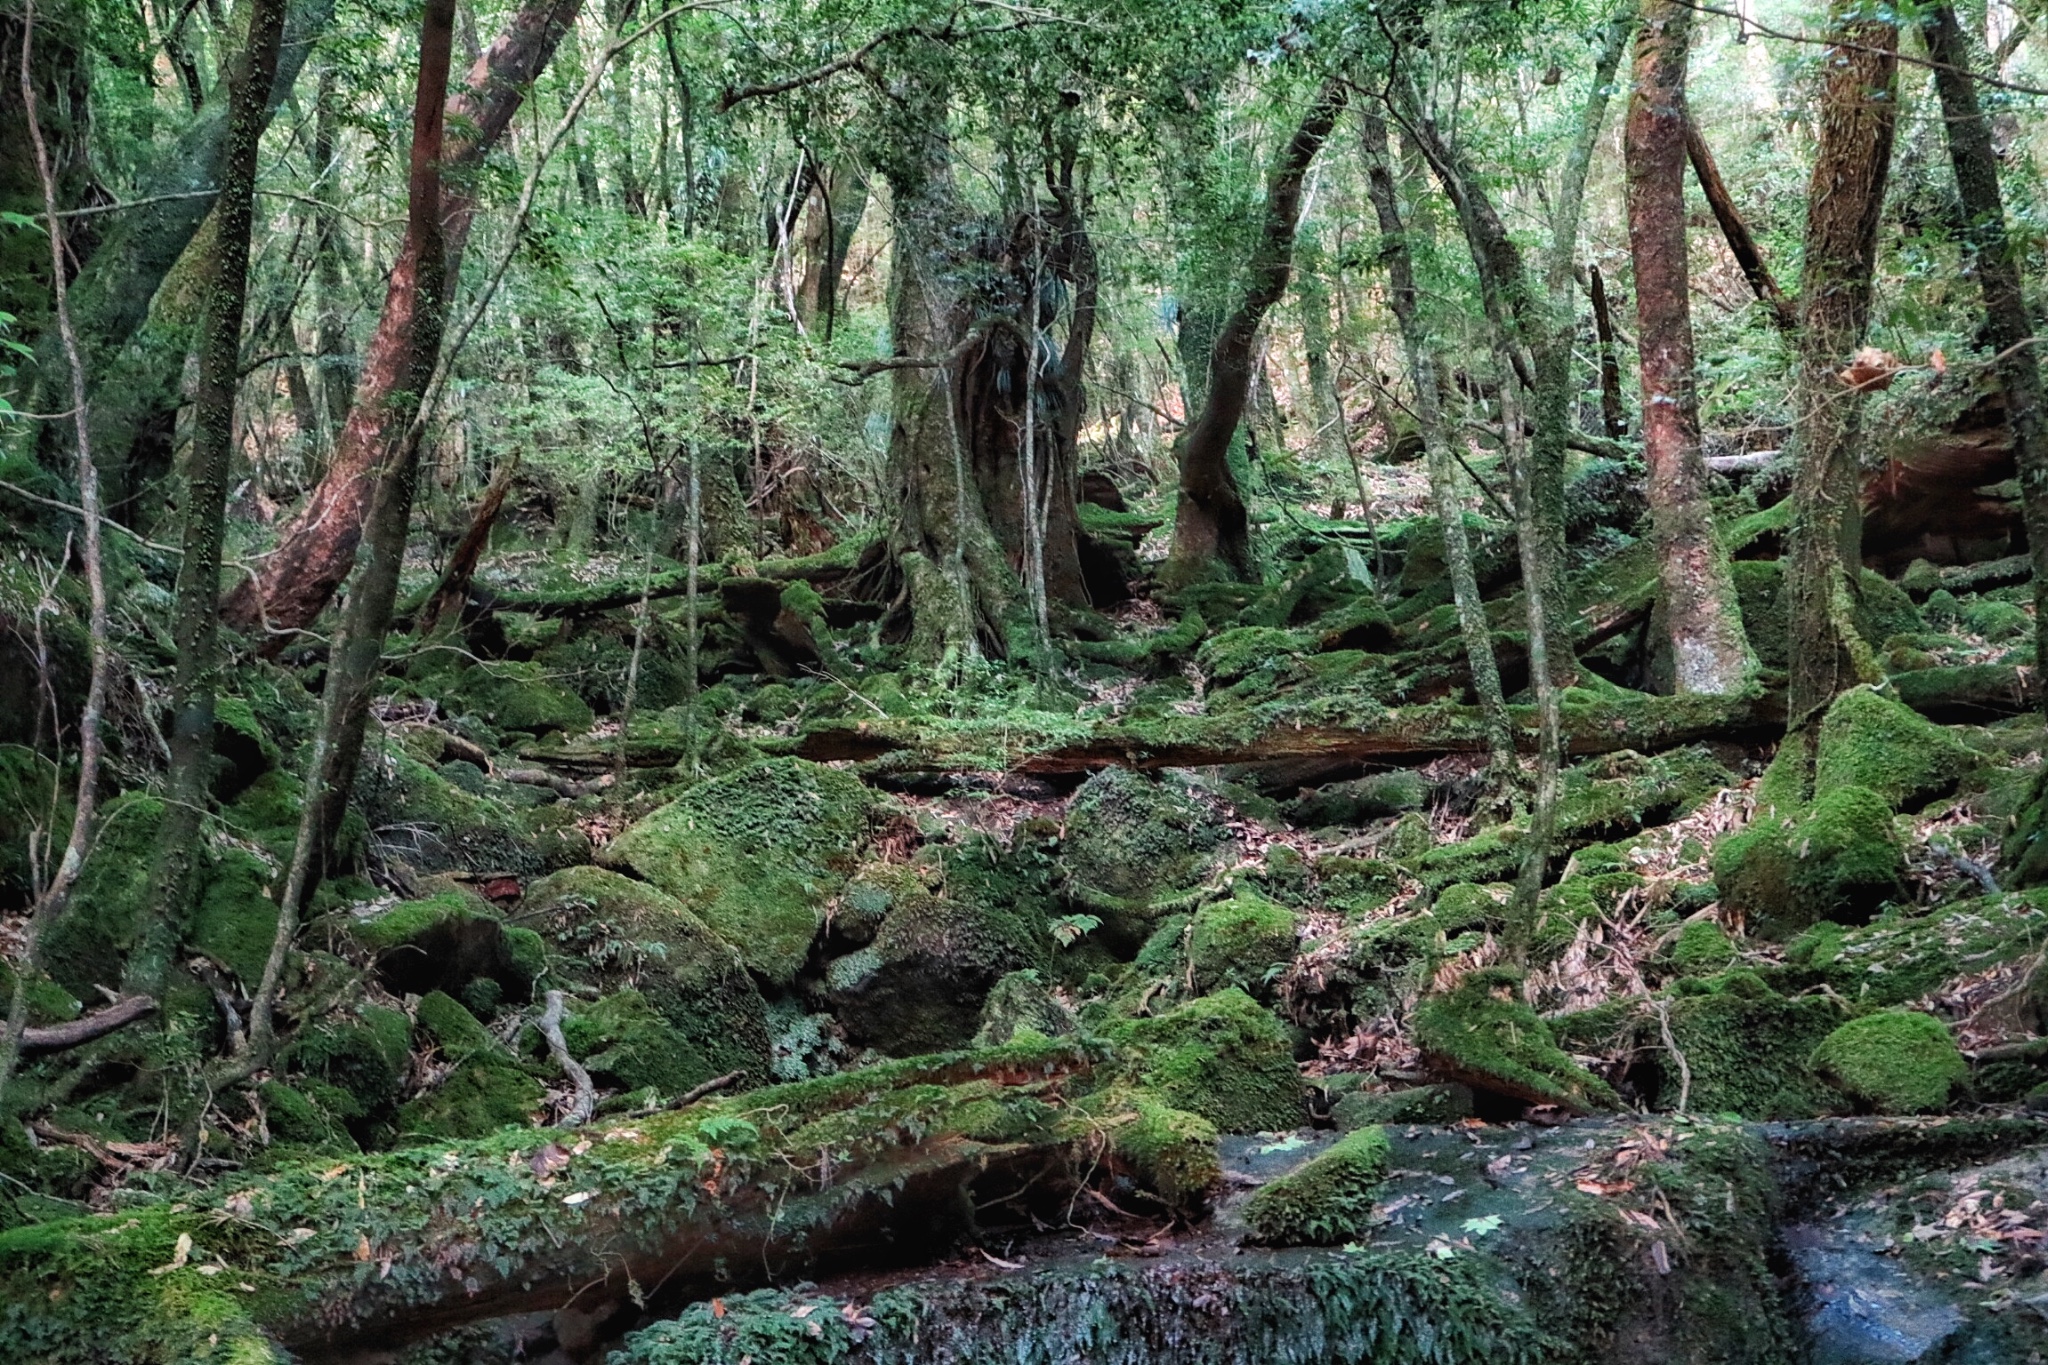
[(1443, 476), (196, 624), (1857, 116), (1702, 622), (316, 550), (2008, 327), (1211, 528)]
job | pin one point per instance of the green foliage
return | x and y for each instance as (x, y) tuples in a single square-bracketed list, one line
[(1220, 1057), (1895, 1061), (1327, 1200), (1481, 1032)]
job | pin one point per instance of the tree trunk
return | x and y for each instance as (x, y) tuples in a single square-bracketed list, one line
[(1736, 232), (1613, 416), (2008, 328), (1701, 620), (1211, 529), (318, 546), (1857, 116), (358, 653), (838, 200), (196, 625), (337, 382), (1443, 476)]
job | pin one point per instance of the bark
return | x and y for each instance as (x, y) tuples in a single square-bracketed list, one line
[(1701, 620), (357, 659), (60, 1037), (452, 592), (337, 380), (1857, 116), (1612, 415), (1422, 375), (2008, 327), (1736, 232), (196, 623), (1211, 529), (317, 548)]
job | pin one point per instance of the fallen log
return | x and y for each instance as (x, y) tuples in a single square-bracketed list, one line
[(670, 580), (323, 1258), (1969, 692), (58, 1037)]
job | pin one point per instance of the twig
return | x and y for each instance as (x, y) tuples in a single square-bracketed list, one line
[(698, 1092), (75, 510), (1671, 1046), (550, 1027)]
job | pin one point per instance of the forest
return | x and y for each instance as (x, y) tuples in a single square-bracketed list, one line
[(1016, 682)]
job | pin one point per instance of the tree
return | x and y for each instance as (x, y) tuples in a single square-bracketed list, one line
[(1702, 622), (1211, 530), (1858, 111)]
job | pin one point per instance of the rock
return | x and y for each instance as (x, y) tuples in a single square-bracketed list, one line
[(1906, 954), (518, 696), (1170, 1153), (448, 941), (1482, 1034), (354, 1062), (1020, 1001), (1361, 800), (1869, 740), (1326, 1201), (1139, 845), (1221, 1057), (626, 1043), (1245, 941), (1894, 1061), (1446, 1103), (1840, 860), (757, 854)]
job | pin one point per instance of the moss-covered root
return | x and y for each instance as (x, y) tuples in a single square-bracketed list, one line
[(1894, 1061), (383, 1248), (1483, 1034), (1326, 1201)]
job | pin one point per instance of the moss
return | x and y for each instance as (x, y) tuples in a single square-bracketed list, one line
[(31, 811), (1327, 1200), (1418, 1104), (452, 1028), (419, 816), (1362, 799), (613, 932), (1895, 1061), (1883, 609), (296, 1119), (475, 1099), (1219, 1056), (361, 1059), (1840, 860), (1746, 1049), (1232, 655), (1020, 1002), (1869, 740), (242, 750), (1702, 948), (625, 1042), (1759, 588), (1170, 1152), (88, 945), (1904, 956), (1482, 1033), (1137, 844), (756, 854), (1244, 942), (515, 696), (235, 920), (1996, 621)]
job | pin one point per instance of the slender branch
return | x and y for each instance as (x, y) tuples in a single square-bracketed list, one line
[(1843, 45), (58, 1037), (550, 1027)]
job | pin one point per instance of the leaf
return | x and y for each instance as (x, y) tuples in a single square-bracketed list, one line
[(580, 1197), (1479, 1227), (551, 1158), (180, 1254), (363, 1247)]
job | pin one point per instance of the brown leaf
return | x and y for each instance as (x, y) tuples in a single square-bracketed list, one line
[(551, 1157), (363, 1247)]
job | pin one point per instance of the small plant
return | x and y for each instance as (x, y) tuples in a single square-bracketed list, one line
[(1068, 930)]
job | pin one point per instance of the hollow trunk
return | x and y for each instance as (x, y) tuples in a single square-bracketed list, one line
[(317, 548), (1211, 529), (2008, 328), (196, 625), (1857, 116), (1701, 620)]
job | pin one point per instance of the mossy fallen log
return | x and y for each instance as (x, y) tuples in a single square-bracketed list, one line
[(1411, 734), (1968, 692), (318, 1259), (669, 579)]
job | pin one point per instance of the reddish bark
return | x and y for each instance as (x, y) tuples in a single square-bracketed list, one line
[(318, 547), (1707, 649)]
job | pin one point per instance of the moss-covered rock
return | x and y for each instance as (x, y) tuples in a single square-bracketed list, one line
[(611, 933), (627, 1044), (1232, 655), (1219, 1056), (417, 816), (477, 1098), (234, 919), (520, 696), (1840, 860), (1326, 1201), (1702, 948), (1244, 942), (1361, 799), (1906, 954), (1169, 1152), (296, 1119), (1445, 1103), (1021, 1002), (446, 1023), (1483, 1034), (757, 854), (358, 1058), (1869, 740), (88, 945), (1139, 844), (1894, 1061), (447, 941)]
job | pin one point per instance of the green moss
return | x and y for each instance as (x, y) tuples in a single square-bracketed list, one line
[(1020, 1002), (452, 1028), (1171, 1153), (1840, 860), (1219, 1056), (362, 1059), (1996, 621), (1232, 655), (1904, 956), (1244, 942), (1869, 740), (1418, 1104), (296, 1119), (88, 945), (612, 932), (1702, 948), (1759, 588), (235, 920), (757, 854), (1895, 1061), (1746, 1049), (1482, 1033), (477, 1098), (435, 826), (516, 696), (1327, 1200), (1362, 799), (31, 812), (1137, 844)]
